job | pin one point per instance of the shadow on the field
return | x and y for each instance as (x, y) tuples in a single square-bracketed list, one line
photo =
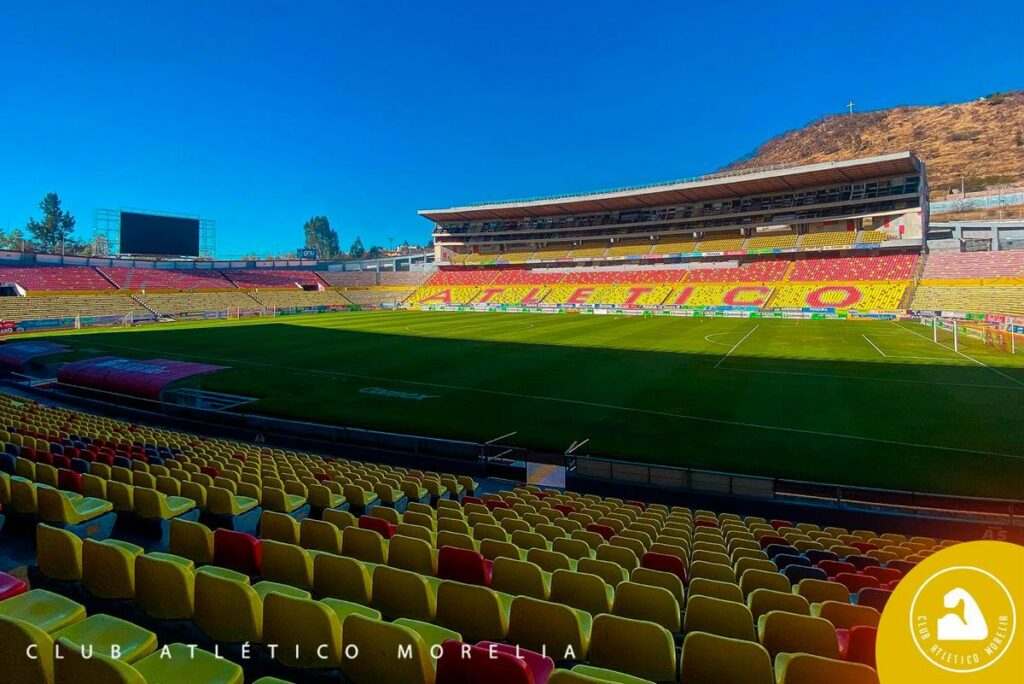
[(876, 423)]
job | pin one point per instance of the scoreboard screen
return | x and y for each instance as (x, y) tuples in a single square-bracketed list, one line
[(154, 235)]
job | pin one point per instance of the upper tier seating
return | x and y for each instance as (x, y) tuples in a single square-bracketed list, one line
[(68, 306), (721, 242), (403, 278), (828, 238), (630, 247), (757, 272), (349, 278), (974, 265), (472, 277), (251, 279), (884, 267), (55, 278), (675, 244), (166, 279), (871, 236), (552, 252), (589, 250), (772, 240)]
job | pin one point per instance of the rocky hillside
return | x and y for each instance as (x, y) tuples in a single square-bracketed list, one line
[(981, 141)]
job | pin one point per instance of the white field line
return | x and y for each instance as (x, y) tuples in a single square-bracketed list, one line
[(911, 358), (579, 402), (736, 346), (874, 345), (969, 358), (707, 338)]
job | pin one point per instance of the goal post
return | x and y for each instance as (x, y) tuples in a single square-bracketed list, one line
[(959, 334)]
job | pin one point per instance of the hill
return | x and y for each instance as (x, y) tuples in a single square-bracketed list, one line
[(980, 141)]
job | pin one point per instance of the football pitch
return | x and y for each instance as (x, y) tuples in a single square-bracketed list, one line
[(860, 403)]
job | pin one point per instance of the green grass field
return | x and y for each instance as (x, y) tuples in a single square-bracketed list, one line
[(867, 403)]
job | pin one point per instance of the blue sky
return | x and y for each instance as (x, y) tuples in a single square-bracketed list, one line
[(260, 114)]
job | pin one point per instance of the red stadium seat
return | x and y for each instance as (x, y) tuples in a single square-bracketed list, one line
[(463, 565), (873, 597), (11, 586), (507, 665), (855, 582), (864, 547), (494, 503), (884, 575), (772, 540), (665, 563), (237, 551), (833, 568), (69, 480), (603, 530), (378, 525), (857, 644), (779, 524)]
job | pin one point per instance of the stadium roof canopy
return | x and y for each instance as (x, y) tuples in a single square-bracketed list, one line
[(714, 187)]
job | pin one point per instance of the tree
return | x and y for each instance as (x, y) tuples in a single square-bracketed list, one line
[(376, 252), (54, 231), (357, 251), (319, 235), (15, 240)]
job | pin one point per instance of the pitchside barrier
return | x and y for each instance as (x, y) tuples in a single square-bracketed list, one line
[(927, 513)]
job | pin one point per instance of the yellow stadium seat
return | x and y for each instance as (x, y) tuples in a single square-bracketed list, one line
[(727, 591), (165, 586), (644, 602), (342, 578), (520, 578), (803, 668), (536, 625), (722, 618), (401, 593), (712, 659), (612, 573), (307, 632), (191, 540), (108, 568), (636, 647), (58, 553), (476, 612), (781, 632), (377, 643), (845, 615), (365, 545), (287, 563), (410, 553), (820, 591)]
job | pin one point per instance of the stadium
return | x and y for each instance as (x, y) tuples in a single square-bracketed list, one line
[(695, 431)]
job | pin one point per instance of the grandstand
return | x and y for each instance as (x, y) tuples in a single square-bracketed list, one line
[(868, 283), (835, 205), (972, 282), (270, 546)]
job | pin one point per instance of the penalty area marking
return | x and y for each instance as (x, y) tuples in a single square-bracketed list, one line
[(969, 358), (592, 404), (890, 356)]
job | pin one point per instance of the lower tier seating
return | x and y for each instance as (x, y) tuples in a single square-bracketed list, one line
[(968, 299), (68, 306), (381, 296), (627, 590), (287, 299), (177, 304), (880, 296)]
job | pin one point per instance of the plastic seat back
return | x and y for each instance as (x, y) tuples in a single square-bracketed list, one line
[(307, 632), (722, 618), (539, 625), (165, 587), (377, 644), (781, 632), (58, 553), (287, 564), (400, 593), (644, 602), (237, 551), (712, 659), (476, 612), (636, 647)]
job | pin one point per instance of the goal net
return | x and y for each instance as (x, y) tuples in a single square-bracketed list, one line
[(965, 335)]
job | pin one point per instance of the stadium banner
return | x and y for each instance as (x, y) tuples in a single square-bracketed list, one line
[(8, 327), (16, 355), (132, 377)]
